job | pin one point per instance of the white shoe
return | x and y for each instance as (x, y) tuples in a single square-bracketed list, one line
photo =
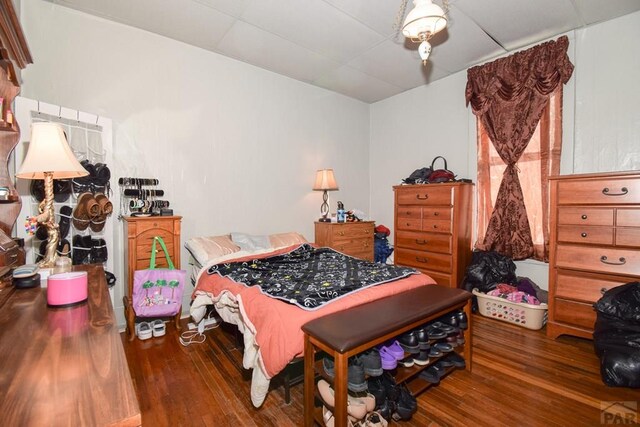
[(143, 330), (159, 328)]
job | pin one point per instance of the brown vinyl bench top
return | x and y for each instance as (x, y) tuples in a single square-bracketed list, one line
[(348, 329)]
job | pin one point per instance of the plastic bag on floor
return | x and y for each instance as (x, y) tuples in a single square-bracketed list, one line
[(487, 269)]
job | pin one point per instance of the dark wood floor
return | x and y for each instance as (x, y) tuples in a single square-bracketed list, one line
[(519, 378)]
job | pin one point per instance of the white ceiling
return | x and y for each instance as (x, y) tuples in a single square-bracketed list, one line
[(350, 46)]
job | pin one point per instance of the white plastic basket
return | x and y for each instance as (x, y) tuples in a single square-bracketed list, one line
[(526, 315)]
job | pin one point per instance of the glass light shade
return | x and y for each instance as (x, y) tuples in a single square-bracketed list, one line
[(424, 20), (325, 181), (49, 152), (424, 50)]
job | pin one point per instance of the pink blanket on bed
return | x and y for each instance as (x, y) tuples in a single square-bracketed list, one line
[(277, 325)]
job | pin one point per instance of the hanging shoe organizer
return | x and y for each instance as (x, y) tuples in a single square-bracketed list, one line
[(141, 197)]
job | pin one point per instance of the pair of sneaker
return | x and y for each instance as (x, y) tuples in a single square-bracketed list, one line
[(146, 330), (435, 372), (356, 378), (87, 250), (393, 400)]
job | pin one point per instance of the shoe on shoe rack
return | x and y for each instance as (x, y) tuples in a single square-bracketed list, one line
[(377, 390), (390, 386), (371, 361), (423, 338), (435, 352), (460, 338), (105, 210), (42, 233), (450, 319), (406, 405), (61, 190), (375, 419), (409, 343), (444, 347), (158, 328), (452, 340), (387, 409), (388, 361), (64, 248), (356, 407), (356, 379), (395, 349), (42, 251), (462, 319), (407, 362), (81, 250), (455, 359), (435, 333), (98, 251), (422, 358), (65, 220), (86, 208), (448, 329), (430, 375), (444, 362)]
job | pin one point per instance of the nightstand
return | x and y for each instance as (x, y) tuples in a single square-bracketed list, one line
[(350, 238)]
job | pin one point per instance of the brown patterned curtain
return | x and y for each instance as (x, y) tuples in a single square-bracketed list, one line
[(509, 96)]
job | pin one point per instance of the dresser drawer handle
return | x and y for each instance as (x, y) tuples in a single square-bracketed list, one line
[(623, 191), (340, 233), (421, 242), (426, 196), (603, 259), (583, 234), (435, 226), (436, 213), (420, 259), (583, 217), (603, 290)]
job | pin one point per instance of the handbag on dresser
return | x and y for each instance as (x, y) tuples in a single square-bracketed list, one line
[(440, 175), (157, 292)]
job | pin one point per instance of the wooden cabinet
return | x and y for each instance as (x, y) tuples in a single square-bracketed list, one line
[(138, 236), (64, 367), (594, 245), (350, 238), (433, 229)]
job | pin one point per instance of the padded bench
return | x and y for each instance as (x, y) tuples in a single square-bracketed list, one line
[(347, 333)]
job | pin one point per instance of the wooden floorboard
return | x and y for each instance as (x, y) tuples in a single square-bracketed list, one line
[(519, 378)]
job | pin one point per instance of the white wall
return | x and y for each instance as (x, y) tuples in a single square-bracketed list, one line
[(601, 113), (235, 147)]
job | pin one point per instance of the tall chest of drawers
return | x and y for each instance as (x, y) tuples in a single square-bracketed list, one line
[(138, 237), (433, 229), (594, 245)]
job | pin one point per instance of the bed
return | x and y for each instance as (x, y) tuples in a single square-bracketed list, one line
[(271, 328)]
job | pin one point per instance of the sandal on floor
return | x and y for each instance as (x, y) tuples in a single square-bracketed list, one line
[(143, 330), (159, 328)]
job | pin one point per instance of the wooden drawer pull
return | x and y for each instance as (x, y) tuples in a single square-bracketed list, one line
[(603, 290), (421, 242), (583, 234), (435, 226), (340, 233), (426, 196), (622, 261), (623, 191), (436, 213), (584, 217), (420, 259)]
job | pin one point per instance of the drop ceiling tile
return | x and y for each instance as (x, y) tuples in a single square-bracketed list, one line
[(230, 7), (263, 49), (313, 24), (593, 11), (379, 15), (356, 84), (518, 23)]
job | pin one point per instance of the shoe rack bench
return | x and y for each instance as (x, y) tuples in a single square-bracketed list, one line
[(347, 333)]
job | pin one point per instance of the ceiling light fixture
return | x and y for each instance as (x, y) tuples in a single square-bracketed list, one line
[(422, 22)]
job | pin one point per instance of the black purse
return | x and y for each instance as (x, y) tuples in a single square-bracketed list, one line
[(418, 176), (440, 175)]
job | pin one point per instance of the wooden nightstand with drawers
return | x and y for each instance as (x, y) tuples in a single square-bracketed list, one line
[(138, 237), (350, 238)]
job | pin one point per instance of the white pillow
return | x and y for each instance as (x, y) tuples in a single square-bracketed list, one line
[(206, 248), (248, 242)]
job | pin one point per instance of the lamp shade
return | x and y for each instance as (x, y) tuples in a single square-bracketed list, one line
[(325, 181), (49, 152), (424, 20)]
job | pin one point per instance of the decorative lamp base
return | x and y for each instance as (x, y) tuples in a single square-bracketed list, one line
[(324, 219)]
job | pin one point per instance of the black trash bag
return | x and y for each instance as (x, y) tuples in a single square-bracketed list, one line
[(487, 269), (616, 336), (621, 302)]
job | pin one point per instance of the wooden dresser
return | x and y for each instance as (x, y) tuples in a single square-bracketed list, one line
[(138, 235), (433, 229), (594, 245), (350, 238), (64, 366)]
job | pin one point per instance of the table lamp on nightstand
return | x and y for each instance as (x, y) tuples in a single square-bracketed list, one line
[(325, 181), (49, 157)]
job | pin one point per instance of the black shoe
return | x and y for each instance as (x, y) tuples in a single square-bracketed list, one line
[(390, 385), (42, 251), (436, 333), (327, 366), (409, 343), (431, 375), (462, 319), (407, 362), (65, 220), (98, 251), (406, 405), (64, 248), (81, 250), (386, 409), (455, 359), (446, 363), (371, 362), (422, 358), (376, 388), (423, 338), (356, 379), (37, 189), (448, 329), (434, 352), (450, 319), (41, 232), (111, 279), (443, 347), (61, 190)]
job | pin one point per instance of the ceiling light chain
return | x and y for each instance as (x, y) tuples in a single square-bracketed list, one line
[(422, 22)]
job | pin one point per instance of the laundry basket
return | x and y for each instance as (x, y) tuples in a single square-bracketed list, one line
[(526, 315)]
